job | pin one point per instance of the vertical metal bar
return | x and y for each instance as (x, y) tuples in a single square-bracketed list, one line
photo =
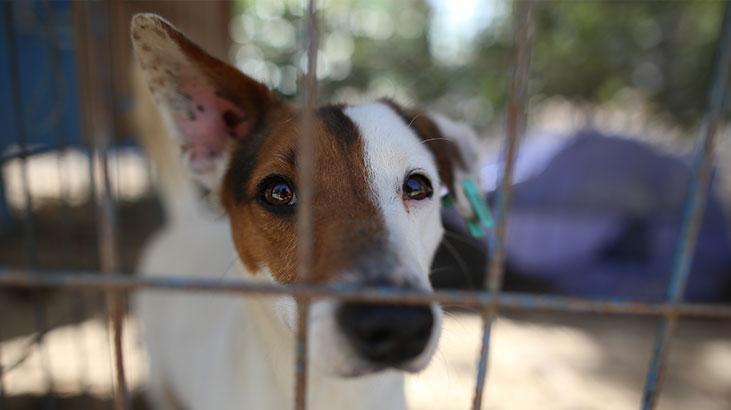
[(2, 382), (305, 151), (306, 166), (693, 213), (41, 323), (515, 126), (31, 251), (99, 108), (303, 310), (8, 16), (487, 320), (29, 238)]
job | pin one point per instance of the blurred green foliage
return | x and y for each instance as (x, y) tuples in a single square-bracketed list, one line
[(590, 52)]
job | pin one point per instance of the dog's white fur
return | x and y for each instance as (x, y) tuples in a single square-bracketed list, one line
[(224, 352)]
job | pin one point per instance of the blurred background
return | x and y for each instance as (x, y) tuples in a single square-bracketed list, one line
[(617, 91)]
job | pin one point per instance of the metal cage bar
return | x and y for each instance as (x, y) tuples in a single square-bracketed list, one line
[(2, 380), (98, 59), (693, 213), (457, 298), (515, 128), (306, 169)]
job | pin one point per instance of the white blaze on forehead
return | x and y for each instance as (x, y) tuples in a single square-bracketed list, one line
[(392, 150)]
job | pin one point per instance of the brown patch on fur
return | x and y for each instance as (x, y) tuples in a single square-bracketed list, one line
[(245, 93), (445, 152), (347, 223)]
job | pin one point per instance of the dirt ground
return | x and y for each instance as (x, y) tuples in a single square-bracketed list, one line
[(547, 361)]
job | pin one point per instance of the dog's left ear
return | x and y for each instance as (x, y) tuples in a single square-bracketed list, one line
[(454, 146), (205, 102)]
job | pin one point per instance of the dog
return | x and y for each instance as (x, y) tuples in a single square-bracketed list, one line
[(379, 171)]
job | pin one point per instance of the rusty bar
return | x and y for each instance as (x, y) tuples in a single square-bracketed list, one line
[(99, 108), (693, 213), (488, 315), (305, 149), (458, 298), (305, 193), (515, 127), (41, 324), (2, 382), (7, 15), (303, 314), (660, 352)]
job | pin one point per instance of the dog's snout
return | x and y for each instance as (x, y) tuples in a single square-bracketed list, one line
[(386, 334)]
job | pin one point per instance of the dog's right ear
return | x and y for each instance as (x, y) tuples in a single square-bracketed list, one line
[(204, 101)]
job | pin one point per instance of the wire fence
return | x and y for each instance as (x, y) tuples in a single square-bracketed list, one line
[(490, 301)]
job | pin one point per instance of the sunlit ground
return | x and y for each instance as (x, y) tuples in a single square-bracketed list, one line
[(548, 363)]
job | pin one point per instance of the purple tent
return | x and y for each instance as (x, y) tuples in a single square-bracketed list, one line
[(601, 219), (594, 216)]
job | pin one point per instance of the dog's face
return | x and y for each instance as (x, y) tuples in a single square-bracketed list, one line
[(378, 170)]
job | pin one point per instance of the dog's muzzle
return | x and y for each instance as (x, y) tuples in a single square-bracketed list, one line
[(386, 335)]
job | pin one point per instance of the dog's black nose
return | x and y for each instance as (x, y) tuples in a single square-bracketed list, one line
[(386, 334)]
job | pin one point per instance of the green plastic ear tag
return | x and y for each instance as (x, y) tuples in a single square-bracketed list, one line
[(447, 201), (483, 218)]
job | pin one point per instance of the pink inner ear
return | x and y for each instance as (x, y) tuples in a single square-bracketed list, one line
[(206, 122)]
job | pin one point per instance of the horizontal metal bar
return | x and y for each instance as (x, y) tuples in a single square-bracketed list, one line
[(457, 298), (25, 153)]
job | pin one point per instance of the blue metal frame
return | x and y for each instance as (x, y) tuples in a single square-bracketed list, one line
[(693, 213)]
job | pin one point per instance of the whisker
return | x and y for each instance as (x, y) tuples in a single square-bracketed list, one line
[(414, 119), (230, 266), (463, 268), (461, 308), (434, 139), (439, 269), (445, 362), (464, 241)]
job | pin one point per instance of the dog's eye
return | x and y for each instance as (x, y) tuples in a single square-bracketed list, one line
[(277, 193), (417, 187)]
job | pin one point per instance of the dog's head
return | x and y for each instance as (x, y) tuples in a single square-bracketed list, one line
[(379, 170)]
